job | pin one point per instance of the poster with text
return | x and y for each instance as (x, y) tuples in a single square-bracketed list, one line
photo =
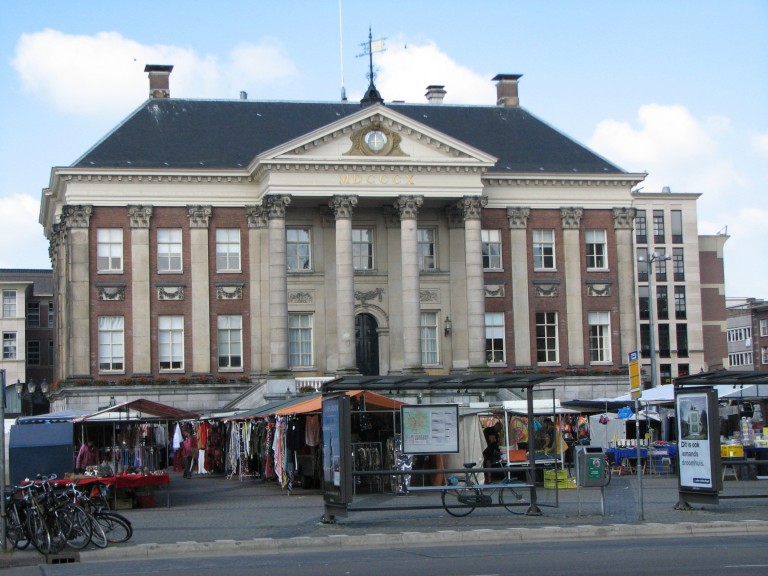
[(430, 428), (695, 451)]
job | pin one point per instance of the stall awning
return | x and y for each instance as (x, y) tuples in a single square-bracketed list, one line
[(138, 409), (315, 403)]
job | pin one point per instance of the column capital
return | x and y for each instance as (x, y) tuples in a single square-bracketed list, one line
[(276, 205), (518, 217), (408, 206), (139, 216), (472, 206), (76, 216), (199, 216), (342, 206), (623, 217), (256, 215), (571, 217)]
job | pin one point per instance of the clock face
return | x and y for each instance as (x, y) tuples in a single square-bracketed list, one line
[(376, 140)]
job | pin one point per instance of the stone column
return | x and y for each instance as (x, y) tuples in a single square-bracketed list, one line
[(278, 284), (623, 219), (258, 258), (342, 207), (139, 218), (571, 219), (471, 208), (199, 217), (76, 220), (408, 207), (518, 261)]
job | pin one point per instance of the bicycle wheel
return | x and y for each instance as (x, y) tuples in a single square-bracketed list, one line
[(76, 525), (37, 531), (98, 537), (459, 502), (512, 500), (15, 534), (116, 528)]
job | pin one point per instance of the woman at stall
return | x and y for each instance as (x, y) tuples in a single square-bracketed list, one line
[(88, 455)]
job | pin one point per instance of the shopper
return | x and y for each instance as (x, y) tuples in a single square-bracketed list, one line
[(87, 456), (189, 451)]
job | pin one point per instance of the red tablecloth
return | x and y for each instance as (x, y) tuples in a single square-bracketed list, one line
[(123, 481)]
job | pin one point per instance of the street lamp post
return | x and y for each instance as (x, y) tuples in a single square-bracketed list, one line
[(655, 257)]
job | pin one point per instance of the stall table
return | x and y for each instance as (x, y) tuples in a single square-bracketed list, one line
[(121, 482)]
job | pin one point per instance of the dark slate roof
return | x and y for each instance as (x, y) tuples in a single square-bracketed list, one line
[(228, 134)]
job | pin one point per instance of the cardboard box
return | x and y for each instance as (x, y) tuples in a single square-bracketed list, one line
[(123, 503)]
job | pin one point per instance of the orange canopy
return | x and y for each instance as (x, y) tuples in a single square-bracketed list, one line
[(315, 404)]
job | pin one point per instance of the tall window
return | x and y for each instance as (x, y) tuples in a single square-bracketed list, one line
[(764, 327), (171, 342), (230, 341), (50, 353), (9, 303), (111, 344), (658, 226), (427, 249), (362, 249), (642, 264), (50, 314), (228, 250), (641, 227), (33, 314), (300, 340), (491, 249), (665, 373), (662, 303), (597, 251), (678, 264), (645, 340), (676, 216), (764, 353), (428, 339), (169, 250), (664, 343), (661, 267), (643, 301), (682, 340), (9, 345), (494, 337), (681, 308), (299, 252), (599, 337), (33, 353), (547, 348), (543, 249), (109, 250)]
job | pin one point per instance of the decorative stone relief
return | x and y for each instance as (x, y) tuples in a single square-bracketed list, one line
[(571, 217), (229, 292), (139, 216), (623, 218), (76, 216), (495, 290), (429, 295), (546, 290), (276, 205), (518, 218), (472, 206), (390, 146), (199, 216), (377, 293), (170, 292), (110, 292), (408, 206), (595, 289), (301, 297), (342, 206), (256, 216)]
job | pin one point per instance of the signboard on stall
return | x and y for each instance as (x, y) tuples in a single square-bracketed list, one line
[(698, 443), (430, 428), (337, 452), (635, 386)]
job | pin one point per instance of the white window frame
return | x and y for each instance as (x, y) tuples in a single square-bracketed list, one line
[(301, 340), (426, 239), (763, 327), (429, 343), (298, 243), (597, 249), (547, 342), (170, 343), (543, 248), (229, 337), (170, 251), (10, 346), (491, 240), (362, 249), (109, 250), (495, 339), (111, 342), (764, 354), (599, 337), (740, 359), (9, 303), (228, 250)]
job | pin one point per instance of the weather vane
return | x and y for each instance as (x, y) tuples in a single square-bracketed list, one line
[(369, 48)]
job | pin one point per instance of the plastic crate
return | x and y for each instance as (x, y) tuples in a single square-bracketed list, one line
[(559, 478), (731, 451)]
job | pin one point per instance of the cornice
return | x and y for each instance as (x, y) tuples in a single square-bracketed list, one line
[(569, 180)]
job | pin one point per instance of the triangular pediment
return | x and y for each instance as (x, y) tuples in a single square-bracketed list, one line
[(377, 135)]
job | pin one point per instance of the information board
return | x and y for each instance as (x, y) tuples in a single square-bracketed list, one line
[(430, 428)]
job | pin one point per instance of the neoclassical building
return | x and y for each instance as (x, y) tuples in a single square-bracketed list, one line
[(254, 242)]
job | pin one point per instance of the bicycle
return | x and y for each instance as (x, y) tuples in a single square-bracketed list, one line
[(462, 495), (15, 517), (115, 527)]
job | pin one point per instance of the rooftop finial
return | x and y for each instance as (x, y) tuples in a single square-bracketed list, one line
[(372, 95)]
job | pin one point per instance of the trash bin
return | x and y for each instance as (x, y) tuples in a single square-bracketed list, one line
[(590, 466)]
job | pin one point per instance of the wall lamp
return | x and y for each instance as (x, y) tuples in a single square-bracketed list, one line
[(448, 326)]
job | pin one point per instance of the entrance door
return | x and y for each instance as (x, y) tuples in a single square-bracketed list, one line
[(367, 345)]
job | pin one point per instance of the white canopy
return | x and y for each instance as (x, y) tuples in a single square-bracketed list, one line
[(541, 406)]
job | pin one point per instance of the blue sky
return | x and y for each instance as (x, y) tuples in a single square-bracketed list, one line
[(678, 89)]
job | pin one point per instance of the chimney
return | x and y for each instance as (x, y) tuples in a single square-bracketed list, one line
[(159, 85), (435, 94), (506, 90), (243, 95)]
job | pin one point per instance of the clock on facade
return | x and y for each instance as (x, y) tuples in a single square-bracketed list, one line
[(375, 140)]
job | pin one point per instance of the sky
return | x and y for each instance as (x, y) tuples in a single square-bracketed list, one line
[(676, 89)]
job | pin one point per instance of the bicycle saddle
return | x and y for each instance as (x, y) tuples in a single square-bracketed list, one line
[(469, 465)]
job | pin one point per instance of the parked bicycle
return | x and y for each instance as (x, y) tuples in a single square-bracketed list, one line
[(115, 527), (462, 494)]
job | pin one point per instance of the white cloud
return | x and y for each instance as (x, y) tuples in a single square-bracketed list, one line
[(21, 235), (760, 145), (103, 74)]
